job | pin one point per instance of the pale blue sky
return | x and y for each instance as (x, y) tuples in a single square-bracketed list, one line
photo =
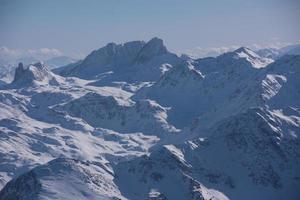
[(79, 26)]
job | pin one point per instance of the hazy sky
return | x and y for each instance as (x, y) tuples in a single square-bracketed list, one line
[(76, 27)]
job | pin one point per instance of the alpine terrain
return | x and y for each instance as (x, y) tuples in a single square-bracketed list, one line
[(135, 121)]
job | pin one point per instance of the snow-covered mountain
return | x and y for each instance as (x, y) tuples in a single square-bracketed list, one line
[(64, 179), (123, 116), (211, 88), (35, 75), (275, 53), (244, 157), (7, 68), (132, 62), (134, 121)]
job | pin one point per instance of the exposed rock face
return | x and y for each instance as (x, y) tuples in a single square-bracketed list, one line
[(138, 122), (154, 47), (34, 74), (135, 61)]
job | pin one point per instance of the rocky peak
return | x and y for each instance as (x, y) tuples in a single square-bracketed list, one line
[(249, 56), (182, 73), (30, 73), (19, 71), (114, 53), (152, 48)]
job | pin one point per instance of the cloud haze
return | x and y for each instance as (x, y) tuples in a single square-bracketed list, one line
[(10, 54), (76, 26), (200, 52)]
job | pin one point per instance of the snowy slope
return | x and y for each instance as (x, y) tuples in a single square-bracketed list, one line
[(29, 121), (214, 88), (131, 62), (34, 74), (106, 111), (166, 173), (246, 156), (7, 69), (173, 90), (134, 121), (64, 179), (207, 85)]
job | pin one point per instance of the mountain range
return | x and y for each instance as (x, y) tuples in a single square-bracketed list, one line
[(7, 68), (135, 121)]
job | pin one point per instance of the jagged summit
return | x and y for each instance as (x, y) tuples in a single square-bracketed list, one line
[(183, 73), (155, 127), (19, 71), (246, 52), (154, 47), (240, 61), (186, 57), (134, 61), (33, 74), (125, 54), (33, 71), (179, 88), (139, 50), (242, 49), (114, 54), (251, 57)]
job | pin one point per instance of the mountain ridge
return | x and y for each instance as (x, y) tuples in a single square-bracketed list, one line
[(144, 123)]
